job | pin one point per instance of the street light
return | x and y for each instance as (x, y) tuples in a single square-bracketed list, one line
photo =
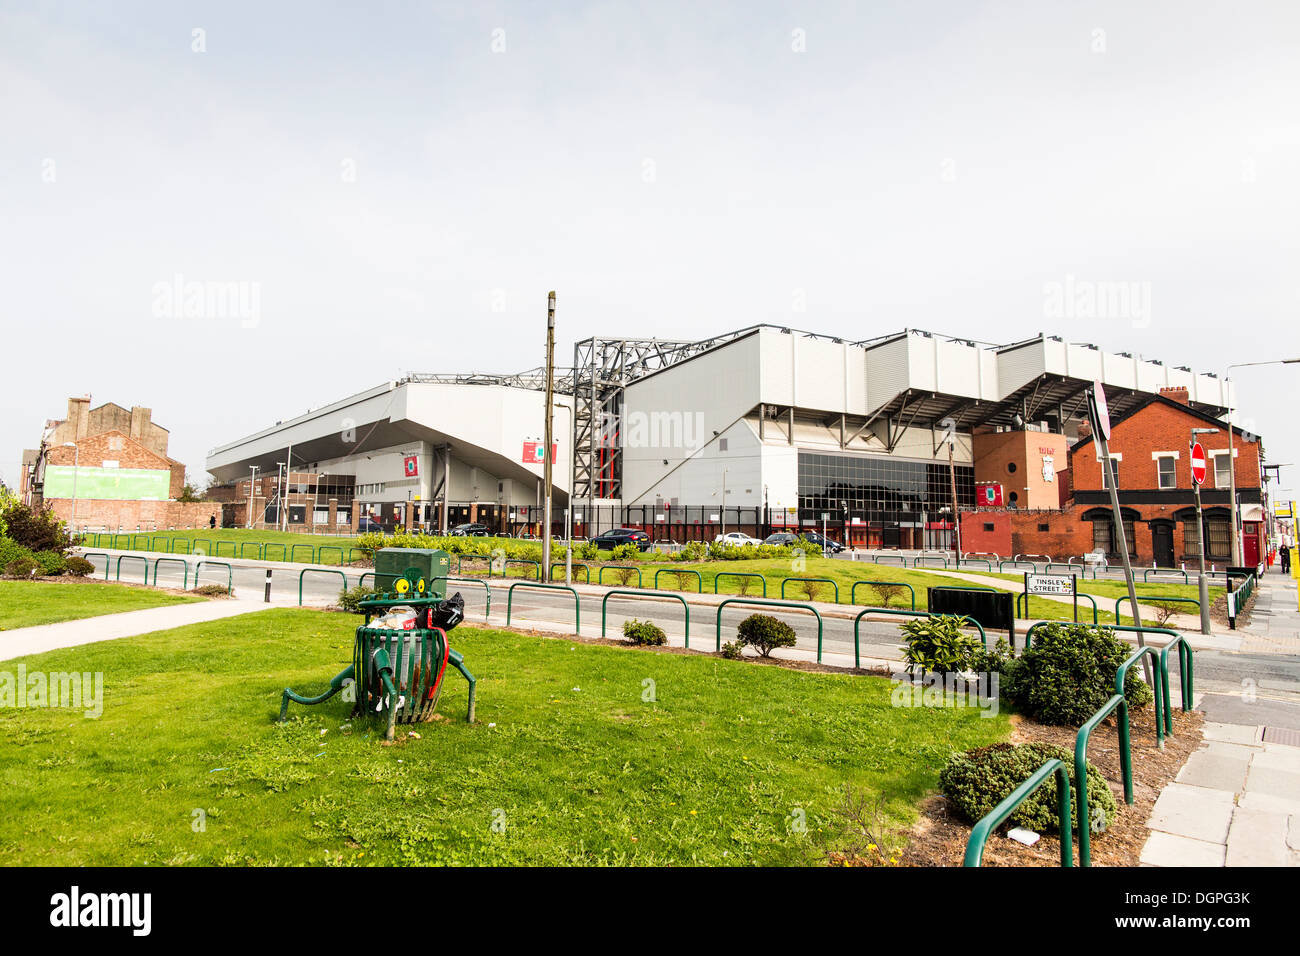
[(1232, 466)]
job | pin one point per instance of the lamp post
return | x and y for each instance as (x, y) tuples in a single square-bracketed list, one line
[(1202, 586), (1232, 465), (547, 464), (252, 492)]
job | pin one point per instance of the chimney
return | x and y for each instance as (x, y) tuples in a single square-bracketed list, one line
[(1085, 430), (140, 417), (1176, 393), (79, 416)]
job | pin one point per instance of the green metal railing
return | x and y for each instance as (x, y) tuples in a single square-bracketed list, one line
[(1078, 569), (1154, 599), (245, 544), (853, 591), (311, 551), (577, 604), (230, 573), (988, 565), (505, 567), (306, 571), (1121, 673), (899, 612), (1017, 565), (1125, 744), (662, 595), (266, 550), (185, 565), (1022, 606), (1185, 679), (916, 561), (166, 541), (785, 581), (699, 578), (487, 591), (738, 574), (99, 554), (216, 546), (320, 553), (1146, 574), (979, 834), (600, 575), (901, 559), (131, 557), (767, 603), (586, 571)]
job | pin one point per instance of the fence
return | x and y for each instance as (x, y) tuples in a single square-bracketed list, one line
[(763, 603), (979, 834), (686, 611)]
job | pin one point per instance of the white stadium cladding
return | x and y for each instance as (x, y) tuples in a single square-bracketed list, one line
[(751, 416)]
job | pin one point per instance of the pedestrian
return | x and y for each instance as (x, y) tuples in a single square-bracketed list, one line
[(1286, 558), (212, 522)]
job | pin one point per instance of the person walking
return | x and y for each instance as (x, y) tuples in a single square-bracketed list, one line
[(212, 522), (1286, 557)]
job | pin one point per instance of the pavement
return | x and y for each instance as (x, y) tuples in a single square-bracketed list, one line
[(1236, 802)]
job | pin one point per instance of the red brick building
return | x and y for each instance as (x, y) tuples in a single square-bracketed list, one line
[(108, 468), (1150, 449)]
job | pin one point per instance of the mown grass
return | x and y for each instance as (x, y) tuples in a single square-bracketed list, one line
[(28, 603), (573, 758)]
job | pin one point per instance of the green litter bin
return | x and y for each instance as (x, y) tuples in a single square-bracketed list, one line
[(432, 565)]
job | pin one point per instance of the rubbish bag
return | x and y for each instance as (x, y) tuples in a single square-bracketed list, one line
[(447, 614)]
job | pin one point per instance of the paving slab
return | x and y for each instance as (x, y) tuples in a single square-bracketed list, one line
[(1167, 849), (1293, 832), (1195, 812), (1264, 801), (1257, 838), (1277, 783), (1215, 771), (1232, 733), (1278, 757)]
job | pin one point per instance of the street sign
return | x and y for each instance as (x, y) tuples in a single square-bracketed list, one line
[(1060, 584), (1100, 412), (1198, 463)]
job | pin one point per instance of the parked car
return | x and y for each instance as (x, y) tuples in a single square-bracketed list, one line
[(470, 530), (828, 545), (610, 540), (366, 523), (735, 537), (781, 537)]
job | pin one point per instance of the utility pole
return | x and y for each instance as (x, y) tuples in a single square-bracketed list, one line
[(1101, 433), (548, 465), (956, 514), (723, 511), (1202, 586), (284, 498)]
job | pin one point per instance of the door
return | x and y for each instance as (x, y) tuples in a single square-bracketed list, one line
[(1162, 544), (1250, 543)]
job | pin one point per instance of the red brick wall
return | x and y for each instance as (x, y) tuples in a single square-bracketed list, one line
[(132, 515), (975, 537), (93, 452)]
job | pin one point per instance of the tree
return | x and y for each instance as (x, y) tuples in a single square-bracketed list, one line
[(192, 490)]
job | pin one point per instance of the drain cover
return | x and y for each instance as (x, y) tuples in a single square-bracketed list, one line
[(1282, 735)]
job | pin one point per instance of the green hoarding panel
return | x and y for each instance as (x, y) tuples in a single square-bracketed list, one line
[(112, 483)]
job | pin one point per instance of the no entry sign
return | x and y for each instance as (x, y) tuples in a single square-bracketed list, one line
[(1198, 463)]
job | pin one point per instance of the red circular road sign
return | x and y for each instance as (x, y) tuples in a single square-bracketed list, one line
[(1198, 463)]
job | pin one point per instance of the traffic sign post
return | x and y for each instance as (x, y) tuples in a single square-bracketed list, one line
[(1196, 457), (1101, 426), (1061, 585)]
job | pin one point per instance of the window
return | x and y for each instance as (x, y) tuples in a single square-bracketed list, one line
[(1191, 536), (1222, 477), (1103, 540), (988, 526), (1218, 538), (1011, 467), (114, 442), (1044, 527), (1114, 472), (1165, 471)]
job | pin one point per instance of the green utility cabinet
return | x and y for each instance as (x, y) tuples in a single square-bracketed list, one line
[(432, 565)]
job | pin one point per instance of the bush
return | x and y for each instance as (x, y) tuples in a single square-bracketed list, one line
[(887, 591), (79, 567), (939, 645), (11, 549), (644, 633), (626, 552), (765, 634), (1069, 673), (211, 590), (978, 780), (733, 651), (692, 551), (350, 599), (50, 562), (36, 530), (22, 567)]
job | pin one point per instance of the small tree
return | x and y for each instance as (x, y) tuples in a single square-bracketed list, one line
[(625, 575), (1164, 610), (745, 584), (810, 589), (886, 590), (765, 634)]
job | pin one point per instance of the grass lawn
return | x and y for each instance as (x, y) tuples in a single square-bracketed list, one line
[(229, 542), (27, 603), (568, 754), (1107, 592)]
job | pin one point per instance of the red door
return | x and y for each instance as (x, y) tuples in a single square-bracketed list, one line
[(1250, 544)]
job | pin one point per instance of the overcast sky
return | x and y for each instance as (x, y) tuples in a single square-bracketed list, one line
[(396, 186)]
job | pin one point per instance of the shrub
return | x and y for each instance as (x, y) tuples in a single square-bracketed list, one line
[(211, 590), (21, 567), (810, 589), (50, 562), (644, 632), (1069, 673), (625, 575), (733, 651), (79, 567), (11, 549), (350, 599), (939, 644), (765, 633), (370, 542), (36, 530), (586, 550), (693, 551), (978, 780), (626, 552), (887, 590)]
